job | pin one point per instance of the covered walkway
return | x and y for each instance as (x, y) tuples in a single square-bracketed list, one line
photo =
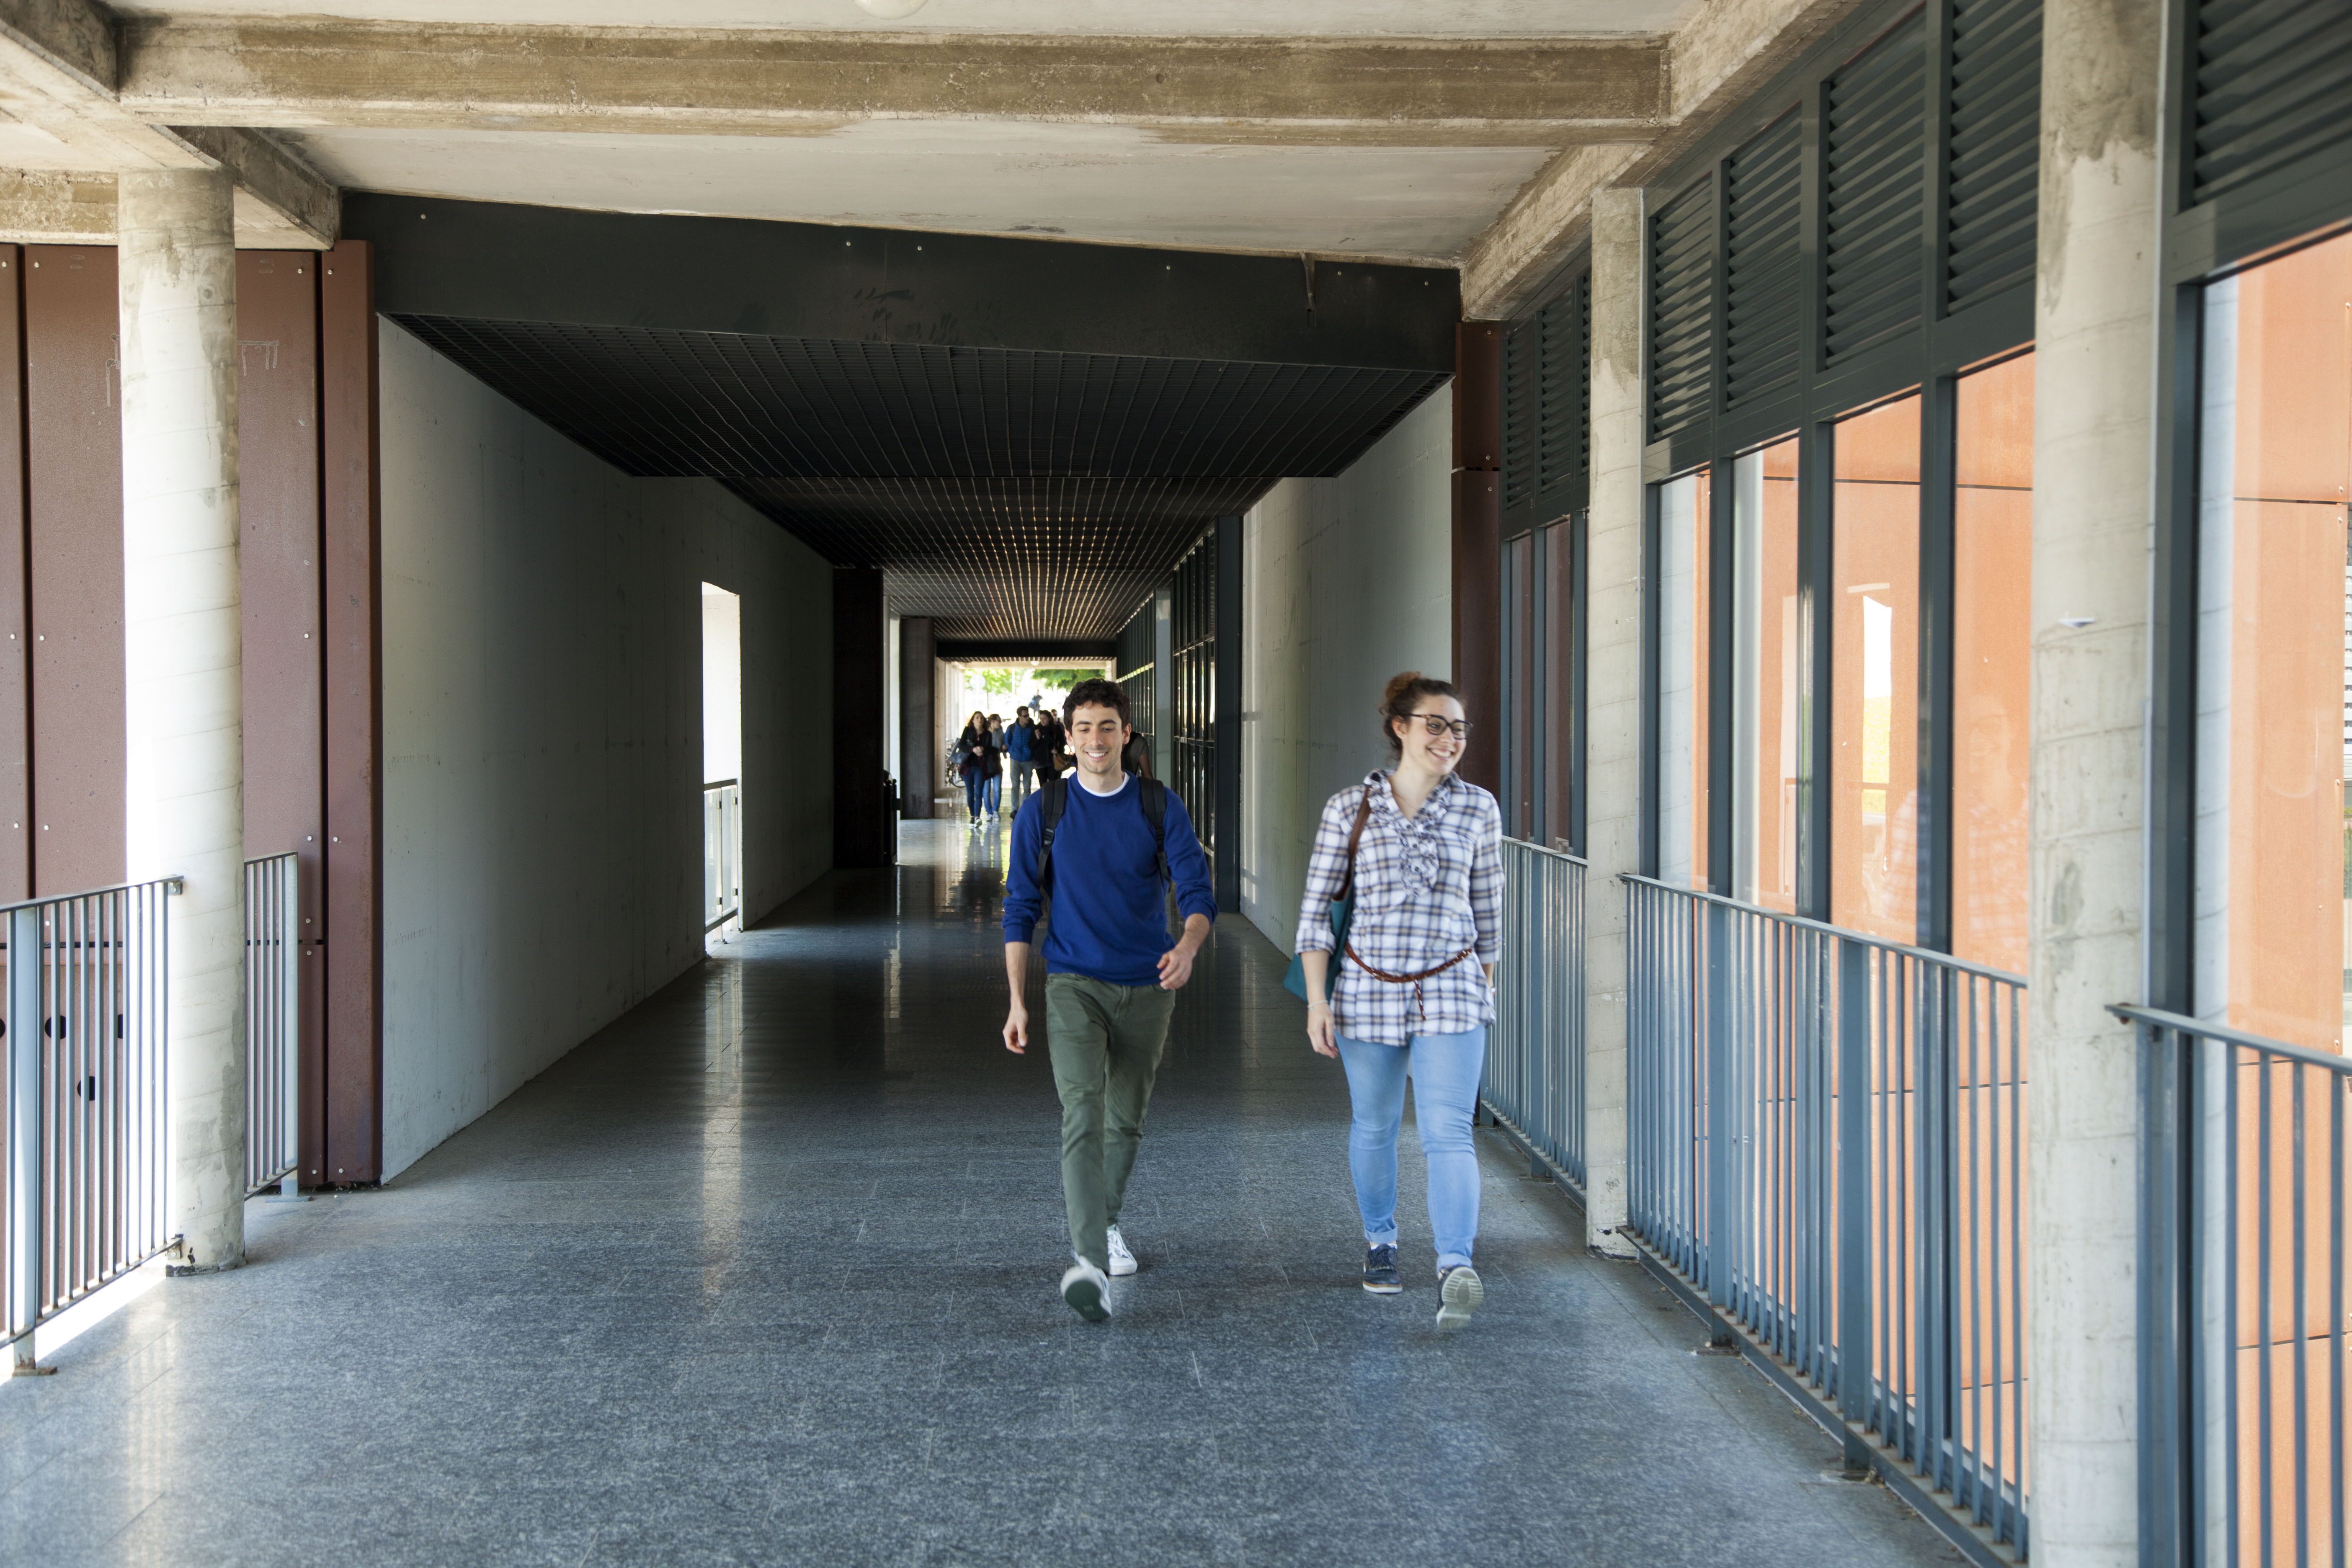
[(764, 1273)]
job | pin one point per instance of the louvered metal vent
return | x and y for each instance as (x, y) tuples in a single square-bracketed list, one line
[(1682, 309), (2273, 77), (1762, 276), (1520, 357), (1567, 381), (1992, 172), (1874, 197)]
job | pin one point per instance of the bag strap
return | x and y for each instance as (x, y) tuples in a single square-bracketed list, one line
[(1355, 835), (1152, 796)]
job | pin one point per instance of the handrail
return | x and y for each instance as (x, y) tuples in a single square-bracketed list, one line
[(2340, 1066), (1826, 1155), (2242, 1213), (709, 785), (1842, 933), (273, 1022), (85, 1098), (1571, 856)]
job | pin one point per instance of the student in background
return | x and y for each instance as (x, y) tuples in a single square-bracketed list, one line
[(994, 801), (1018, 738), (972, 752)]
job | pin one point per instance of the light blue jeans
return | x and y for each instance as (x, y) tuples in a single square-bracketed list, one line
[(1445, 1069)]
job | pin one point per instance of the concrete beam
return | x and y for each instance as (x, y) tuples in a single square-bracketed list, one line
[(76, 207), (59, 64), (314, 72), (1720, 57), (275, 191)]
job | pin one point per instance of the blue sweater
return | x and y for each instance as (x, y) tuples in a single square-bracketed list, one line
[(1110, 923), (1016, 741)]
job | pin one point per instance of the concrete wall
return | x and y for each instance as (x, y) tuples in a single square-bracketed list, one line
[(1345, 582), (542, 861)]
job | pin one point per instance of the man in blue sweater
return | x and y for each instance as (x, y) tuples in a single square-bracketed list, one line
[(1105, 843)]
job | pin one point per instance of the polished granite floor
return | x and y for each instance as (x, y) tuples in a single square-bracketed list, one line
[(764, 1274)]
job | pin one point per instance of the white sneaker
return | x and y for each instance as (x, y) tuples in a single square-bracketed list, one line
[(1459, 1293), (1087, 1291), (1122, 1261)]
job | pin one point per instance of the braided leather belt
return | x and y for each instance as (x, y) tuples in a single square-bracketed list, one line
[(1412, 980)]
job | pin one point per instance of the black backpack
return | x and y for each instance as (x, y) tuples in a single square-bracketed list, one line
[(1054, 798)]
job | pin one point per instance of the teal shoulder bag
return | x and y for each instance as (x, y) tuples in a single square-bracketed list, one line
[(1343, 910)]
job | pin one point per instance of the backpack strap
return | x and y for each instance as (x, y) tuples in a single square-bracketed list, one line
[(1053, 799), (1153, 796)]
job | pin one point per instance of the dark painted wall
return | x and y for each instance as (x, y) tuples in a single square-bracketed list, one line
[(863, 832)]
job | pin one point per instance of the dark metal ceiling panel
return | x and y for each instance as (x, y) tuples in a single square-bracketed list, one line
[(496, 261), (731, 406), (1006, 494)]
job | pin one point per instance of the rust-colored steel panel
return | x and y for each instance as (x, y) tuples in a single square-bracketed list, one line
[(280, 558), (1478, 396), (16, 687), (1478, 621), (73, 431), (1477, 546), (354, 716)]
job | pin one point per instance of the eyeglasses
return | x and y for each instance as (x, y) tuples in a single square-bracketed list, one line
[(1438, 724)]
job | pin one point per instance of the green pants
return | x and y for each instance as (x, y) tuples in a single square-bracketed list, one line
[(1104, 1041)]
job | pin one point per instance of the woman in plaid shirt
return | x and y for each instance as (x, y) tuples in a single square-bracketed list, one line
[(1415, 990)]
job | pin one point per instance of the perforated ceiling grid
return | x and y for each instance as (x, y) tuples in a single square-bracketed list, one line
[(1006, 494)]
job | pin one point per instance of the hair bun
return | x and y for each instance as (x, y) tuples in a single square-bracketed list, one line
[(1396, 688)]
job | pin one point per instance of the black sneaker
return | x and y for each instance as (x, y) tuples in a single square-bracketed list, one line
[(1459, 1291), (1381, 1275)]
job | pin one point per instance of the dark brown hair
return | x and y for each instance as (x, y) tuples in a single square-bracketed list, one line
[(1097, 693), (1403, 695)]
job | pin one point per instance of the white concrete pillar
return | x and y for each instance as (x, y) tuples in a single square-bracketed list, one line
[(2094, 507), (1612, 808), (183, 651)]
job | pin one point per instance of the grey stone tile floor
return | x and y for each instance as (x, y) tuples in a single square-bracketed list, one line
[(764, 1273)]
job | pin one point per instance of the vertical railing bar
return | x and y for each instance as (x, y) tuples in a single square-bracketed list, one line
[(2230, 1242), (2297, 1200), (1972, 1436), (2263, 1287), (2335, 1325)]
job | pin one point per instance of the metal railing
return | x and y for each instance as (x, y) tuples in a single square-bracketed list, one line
[(1535, 1054), (273, 1021), (1826, 1148), (722, 852), (86, 1115), (2244, 1205)]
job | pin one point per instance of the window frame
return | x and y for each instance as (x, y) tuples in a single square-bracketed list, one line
[(1557, 675), (1928, 358)]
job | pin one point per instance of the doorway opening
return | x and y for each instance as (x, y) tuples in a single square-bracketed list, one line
[(722, 764)]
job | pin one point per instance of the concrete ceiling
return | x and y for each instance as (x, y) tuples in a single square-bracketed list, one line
[(1086, 182), (1097, 18)]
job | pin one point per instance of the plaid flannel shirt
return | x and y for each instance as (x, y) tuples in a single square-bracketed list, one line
[(1426, 888)]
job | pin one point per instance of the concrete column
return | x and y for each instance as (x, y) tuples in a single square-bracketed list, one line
[(182, 657), (2093, 500), (1612, 758)]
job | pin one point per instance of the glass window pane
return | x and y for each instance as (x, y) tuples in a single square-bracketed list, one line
[(1683, 535), (1767, 743), (1561, 661), (1992, 650), (2275, 641), (1874, 675)]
